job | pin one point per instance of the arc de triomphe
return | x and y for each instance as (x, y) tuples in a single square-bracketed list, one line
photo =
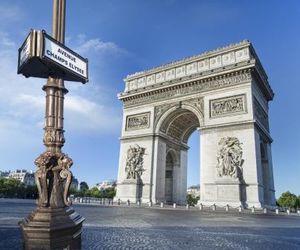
[(224, 94)]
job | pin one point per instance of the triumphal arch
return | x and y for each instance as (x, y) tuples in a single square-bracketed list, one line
[(224, 94)]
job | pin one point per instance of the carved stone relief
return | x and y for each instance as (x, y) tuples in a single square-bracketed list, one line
[(228, 106), (197, 103), (138, 121), (160, 110), (229, 158), (187, 89), (134, 162)]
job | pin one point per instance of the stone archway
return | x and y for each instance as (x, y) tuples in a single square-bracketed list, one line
[(174, 129), (169, 180), (224, 93)]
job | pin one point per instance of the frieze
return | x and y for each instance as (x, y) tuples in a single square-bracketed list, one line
[(187, 89), (260, 114), (138, 121), (232, 105)]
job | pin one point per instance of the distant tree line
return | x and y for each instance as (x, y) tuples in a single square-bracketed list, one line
[(12, 188), (85, 191), (289, 200)]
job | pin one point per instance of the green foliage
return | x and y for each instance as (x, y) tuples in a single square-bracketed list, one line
[(192, 200), (12, 188), (94, 192), (109, 193), (289, 200)]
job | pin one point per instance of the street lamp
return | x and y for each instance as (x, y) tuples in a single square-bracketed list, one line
[(53, 224)]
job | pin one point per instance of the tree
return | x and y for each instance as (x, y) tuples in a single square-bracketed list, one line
[(109, 193), (73, 191), (192, 200), (288, 200), (83, 186), (94, 192)]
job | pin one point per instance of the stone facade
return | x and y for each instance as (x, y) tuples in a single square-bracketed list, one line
[(224, 94)]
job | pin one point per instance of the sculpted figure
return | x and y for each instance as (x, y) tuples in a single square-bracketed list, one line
[(44, 163), (134, 162), (229, 158), (53, 175), (64, 164)]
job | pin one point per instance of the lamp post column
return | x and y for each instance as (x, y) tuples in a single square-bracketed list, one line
[(53, 224)]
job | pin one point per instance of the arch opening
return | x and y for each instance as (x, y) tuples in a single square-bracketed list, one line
[(176, 129)]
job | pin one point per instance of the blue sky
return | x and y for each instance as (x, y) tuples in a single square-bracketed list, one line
[(122, 37)]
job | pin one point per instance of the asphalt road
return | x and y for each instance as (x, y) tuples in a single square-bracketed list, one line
[(154, 228)]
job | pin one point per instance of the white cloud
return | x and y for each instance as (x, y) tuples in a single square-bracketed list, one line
[(22, 100), (86, 46), (89, 116)]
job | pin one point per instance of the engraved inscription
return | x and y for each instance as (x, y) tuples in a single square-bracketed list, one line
[(138, 121), (229, 105)]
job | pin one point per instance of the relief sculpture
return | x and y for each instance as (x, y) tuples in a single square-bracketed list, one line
[(229, 158), (220, 107), (134, 162), (138, 121)]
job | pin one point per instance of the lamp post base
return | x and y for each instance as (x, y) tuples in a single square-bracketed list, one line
[(52, 228)]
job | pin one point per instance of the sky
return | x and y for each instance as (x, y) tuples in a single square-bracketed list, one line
[(120, 37)]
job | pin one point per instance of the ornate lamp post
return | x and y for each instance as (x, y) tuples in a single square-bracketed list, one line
[(53, 224)]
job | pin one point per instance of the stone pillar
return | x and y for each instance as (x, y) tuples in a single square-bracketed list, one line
[(53, 224)]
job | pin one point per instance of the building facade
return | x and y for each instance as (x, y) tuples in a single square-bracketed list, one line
[(23, 176), (224, 94)]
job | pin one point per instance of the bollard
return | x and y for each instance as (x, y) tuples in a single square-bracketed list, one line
[(201, 207), (187, 206), (277, 211), (161, 204), (227, 208), (253, 209), (174, 205), (138, 203), (265, 210), (240, 209), (128, 202), (150, 203), (214, 207), (112, 201), (288, 212), (119, 202), (298, 212)]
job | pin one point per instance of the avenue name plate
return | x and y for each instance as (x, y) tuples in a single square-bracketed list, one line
[(42, 56)]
